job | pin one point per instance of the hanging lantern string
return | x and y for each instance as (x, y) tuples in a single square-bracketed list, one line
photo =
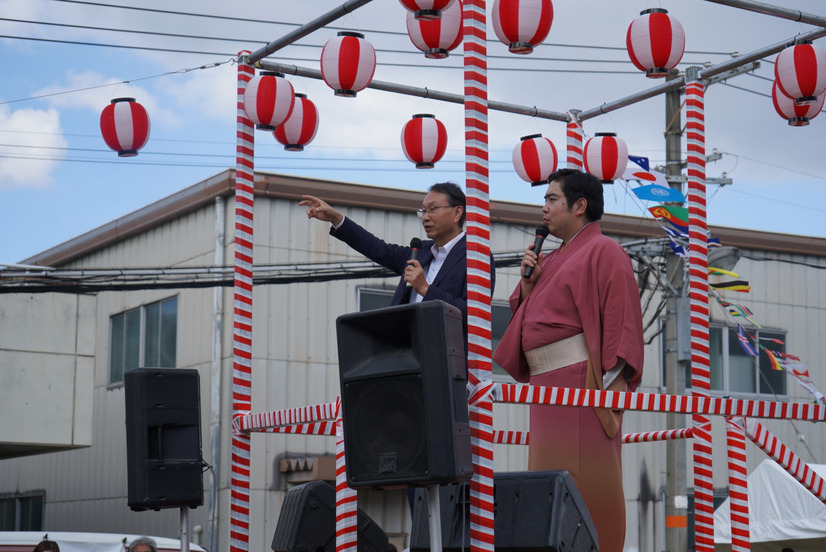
[(128, 81)]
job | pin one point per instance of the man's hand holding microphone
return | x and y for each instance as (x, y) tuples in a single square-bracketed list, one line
[(531, 266)]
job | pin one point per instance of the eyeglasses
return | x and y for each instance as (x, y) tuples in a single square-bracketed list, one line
[(431, 210)]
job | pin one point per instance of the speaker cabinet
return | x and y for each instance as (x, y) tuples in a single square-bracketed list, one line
[(533, 512), (163, 438), (307, 523), (404, 396)]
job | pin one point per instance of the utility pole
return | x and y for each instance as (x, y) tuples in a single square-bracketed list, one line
[(676, 507)]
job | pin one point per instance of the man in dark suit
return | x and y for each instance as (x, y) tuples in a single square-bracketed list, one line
[(440, 271)]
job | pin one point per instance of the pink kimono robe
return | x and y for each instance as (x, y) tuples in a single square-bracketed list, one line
[(587, 286)]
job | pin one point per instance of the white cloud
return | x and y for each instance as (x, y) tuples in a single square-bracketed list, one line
[(32, 147), (206, 93), (89, 90)]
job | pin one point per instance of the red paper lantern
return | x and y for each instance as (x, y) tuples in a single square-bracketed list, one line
[(522, 24), (426, 10), (268, 100), (800, 72), (437, 38), (124, 125), (300, 128), (424, 140), (534, 159), (348, 63), (655, 42), (605, 156), (797, 115)]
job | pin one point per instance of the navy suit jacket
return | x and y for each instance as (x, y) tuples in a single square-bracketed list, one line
[(450, 284)]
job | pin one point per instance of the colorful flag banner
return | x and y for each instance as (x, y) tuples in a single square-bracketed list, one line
[(640, 161), (744, 342), (801, 373), (678, 249), (735, 310), (773, 359), (655, 192), (732, 285), (713, 270), (779, 360), (677, 217)]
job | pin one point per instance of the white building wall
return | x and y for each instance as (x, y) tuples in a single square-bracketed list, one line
[(295, 364)]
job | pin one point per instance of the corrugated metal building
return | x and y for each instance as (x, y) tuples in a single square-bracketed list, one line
[(63, 353)]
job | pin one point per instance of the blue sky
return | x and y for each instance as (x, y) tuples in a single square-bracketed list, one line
[(58, 179)]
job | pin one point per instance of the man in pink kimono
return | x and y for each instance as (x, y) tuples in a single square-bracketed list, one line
[(577, 323)]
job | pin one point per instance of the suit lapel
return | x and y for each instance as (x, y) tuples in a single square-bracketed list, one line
[(453, 258)]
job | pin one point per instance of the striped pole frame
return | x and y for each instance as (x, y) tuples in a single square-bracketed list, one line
[(242, 314), (699, 310), (575, 138), (474, 18), (346, 498), (786, 458), (738, 484)]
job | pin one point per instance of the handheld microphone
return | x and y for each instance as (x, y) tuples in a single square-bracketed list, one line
[(415, 245), (541, 234)]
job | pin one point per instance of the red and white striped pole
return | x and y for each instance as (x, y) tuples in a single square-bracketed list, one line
[(784, 456), (575, 138), (478, 269), (242, 314), (346, 498), (698, 296), (738, 484)]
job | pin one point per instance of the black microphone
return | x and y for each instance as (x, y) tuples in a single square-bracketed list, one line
[(541, 234), (415, 245)]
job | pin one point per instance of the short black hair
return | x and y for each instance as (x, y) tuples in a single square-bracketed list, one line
[(46, 546), (576, 184), (455, 194)]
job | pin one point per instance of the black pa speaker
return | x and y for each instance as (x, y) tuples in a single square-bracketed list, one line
[(307, 523), (163, 438), (404, 396), (538, 511)]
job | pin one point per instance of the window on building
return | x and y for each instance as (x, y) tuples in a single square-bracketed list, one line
[(145, 336), (735, 372), (22, 512), (500, 313)]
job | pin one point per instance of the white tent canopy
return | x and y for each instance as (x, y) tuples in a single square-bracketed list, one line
[(782, 513)]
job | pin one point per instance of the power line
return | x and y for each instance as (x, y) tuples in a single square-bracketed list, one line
[(122, 46), (379, 31), (105, 85), (167, 12), (246, 40)]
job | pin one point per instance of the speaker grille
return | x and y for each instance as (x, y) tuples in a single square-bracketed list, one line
[(403, 387), (163, 438), (392, 407), (539, 511)]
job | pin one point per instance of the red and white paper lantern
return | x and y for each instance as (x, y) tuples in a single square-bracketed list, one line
[(426, 10), (796, 115), (522, 24), (300, 128), (655, 42), (124, 125), (268, 100), (800, 72), (605, 156), (534, 159), (424, 140), (348, 63), (437, 38)]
